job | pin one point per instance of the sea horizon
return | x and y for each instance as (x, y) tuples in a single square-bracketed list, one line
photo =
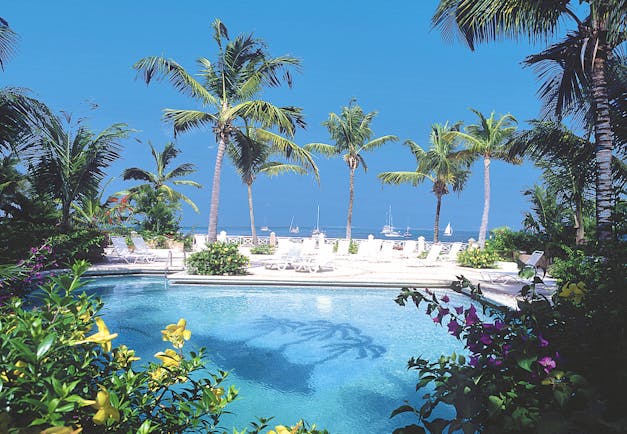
[(338, 232)]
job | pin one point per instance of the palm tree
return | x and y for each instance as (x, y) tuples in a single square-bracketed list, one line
[(583, 60), (352, 135), (567, 162), (225, 91), (251, 152), (158, 181), (488, 139), (68, 162), (8, 39), (442, 164)]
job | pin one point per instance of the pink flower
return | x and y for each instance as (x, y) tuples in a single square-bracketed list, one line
[(445, 299), (548, 364), (459, 310), (454, 328), (471, 316), (542, 342)]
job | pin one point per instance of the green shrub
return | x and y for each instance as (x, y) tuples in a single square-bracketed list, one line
[(80, 244), (507, 243), (262, 249), (218, 259), (477, 258), (353, 247), (576, 267)]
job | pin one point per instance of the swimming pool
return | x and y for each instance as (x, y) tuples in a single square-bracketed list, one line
[(334, 357)]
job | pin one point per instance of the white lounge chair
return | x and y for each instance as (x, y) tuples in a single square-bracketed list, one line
[(142, 248), (200, 242), (287, 252), (122, 251), (323, 259), (409, 249), (432, 257), (387, 251), (451, 256), (343, 247), (508, 277)]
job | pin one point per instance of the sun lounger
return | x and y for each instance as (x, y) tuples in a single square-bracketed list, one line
[(409, 249), (200, 242), (508, 277), (323, 259), (343, 247), (122, 251), (287, 253), (451, 256), (387, 251), (155, 254), (432, 257)]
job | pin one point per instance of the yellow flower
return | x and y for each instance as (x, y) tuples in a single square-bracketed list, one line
[(169, 358), (104, 407), (102, 337), (124, 356), (18, 372), (574, 292), (280, 429), (61, 430), (176, 333)]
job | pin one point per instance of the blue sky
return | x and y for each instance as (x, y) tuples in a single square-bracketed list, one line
[(75, 54)]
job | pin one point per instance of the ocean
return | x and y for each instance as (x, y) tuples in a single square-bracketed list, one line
[(336, 232)]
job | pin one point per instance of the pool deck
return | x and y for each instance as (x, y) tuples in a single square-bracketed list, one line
[(347, 272)]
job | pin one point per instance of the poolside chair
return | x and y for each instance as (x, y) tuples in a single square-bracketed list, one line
[(323, 259), (387, 251), (432, 257), (508, 277), (287, 253), (154, 254), (451, 256), (343, 247), (409, 249), (122, 251), (308, 247), (200, 242)]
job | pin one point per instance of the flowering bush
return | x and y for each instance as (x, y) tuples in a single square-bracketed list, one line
[(262, 249), (59, 376), (27, 274), (218, 259), (477, 258)]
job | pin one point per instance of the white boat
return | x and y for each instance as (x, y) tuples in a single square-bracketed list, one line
[(293, 229), (407, 233), (265, 228), (448, 231), (388, 229), (317, 230)]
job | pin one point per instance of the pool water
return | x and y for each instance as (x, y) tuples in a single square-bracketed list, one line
[(334, 357)]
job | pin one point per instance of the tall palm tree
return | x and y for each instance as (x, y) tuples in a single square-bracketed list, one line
[(567, 162), (8, 39), (225, 93), (251, 154), (68, 162), (353, 136), (489, 140), (442, 164), (158, 181), (593, 46)]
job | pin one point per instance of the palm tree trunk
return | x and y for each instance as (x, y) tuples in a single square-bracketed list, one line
[(253, 230), (212, 233), (436, 224), (603, 142), (351, 195), (580, 235), (483, 229)]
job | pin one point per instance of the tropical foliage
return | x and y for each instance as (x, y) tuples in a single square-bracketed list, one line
[(218, 259), (155, 199), (251, 153), (228, 87), (351, 132), (442, 164), (477, 258), (488, 140), (576, 71)]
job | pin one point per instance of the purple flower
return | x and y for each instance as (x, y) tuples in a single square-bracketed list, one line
[(548, 364), (445, 299), (459, 310), (454, 328), (471, 316), (506, 349), (485, 339), (499, 325), (437, 319), (542, 342), (473, 347), (494, 363), (443, 311), (474, 361)]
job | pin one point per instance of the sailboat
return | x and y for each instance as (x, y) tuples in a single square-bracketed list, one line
[(388, 229), (407, 233), (293, 229), (265, 228), (448, 231), (317, 230)]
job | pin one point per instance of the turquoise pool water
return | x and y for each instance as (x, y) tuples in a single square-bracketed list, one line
[(336, 357)]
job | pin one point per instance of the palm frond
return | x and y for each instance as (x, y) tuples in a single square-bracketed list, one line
[(8, 40), (185, 120), (274, 168), (413, 178), (268, 115)]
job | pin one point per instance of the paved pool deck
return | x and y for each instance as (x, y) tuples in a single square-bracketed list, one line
[(394, 272)]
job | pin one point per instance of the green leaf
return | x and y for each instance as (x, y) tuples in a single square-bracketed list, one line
[(410, 429), (45, 345), (561, 397), (494, 405), (526, 362), (403, 409)]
